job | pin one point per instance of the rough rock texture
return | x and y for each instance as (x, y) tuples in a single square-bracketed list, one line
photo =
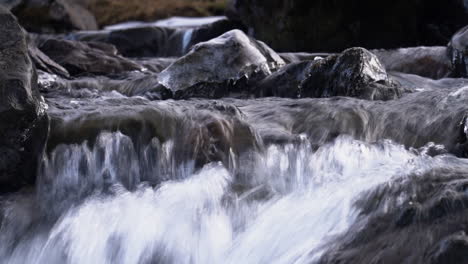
[(23, 121), (431, 62), (87, 57), (354, 73), (54, 16), (220, 60), (457, 51), (317, 25)]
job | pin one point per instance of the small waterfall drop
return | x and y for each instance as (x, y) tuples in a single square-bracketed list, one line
[(97, 204), (187, 37)]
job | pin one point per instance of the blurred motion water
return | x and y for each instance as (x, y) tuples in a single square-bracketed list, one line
[(91, 205)]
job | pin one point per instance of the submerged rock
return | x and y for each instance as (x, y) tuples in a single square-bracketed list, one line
[(86, 57), (23, 120), (354, 73), (214, 63)]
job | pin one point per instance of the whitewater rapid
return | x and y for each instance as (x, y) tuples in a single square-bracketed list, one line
[(93, 206)]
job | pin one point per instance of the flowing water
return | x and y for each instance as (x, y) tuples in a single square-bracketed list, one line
[(92, 205), (131, 180)]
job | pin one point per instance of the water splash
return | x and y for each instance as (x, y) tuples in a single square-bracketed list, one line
[(298, 200)]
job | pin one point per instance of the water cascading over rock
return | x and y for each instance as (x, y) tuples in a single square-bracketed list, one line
[(201, 144)]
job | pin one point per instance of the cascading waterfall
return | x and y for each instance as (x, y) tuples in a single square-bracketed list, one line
[(112, 202)]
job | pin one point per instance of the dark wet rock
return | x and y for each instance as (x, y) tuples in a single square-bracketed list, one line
[(240, 86), (224, 66), (54, 16), (44, 63), (23, 121), (86, 57), (286, 82), (430, 62), (312, 25), (152, 41), (228, 58), (457, 51), (354, 73)]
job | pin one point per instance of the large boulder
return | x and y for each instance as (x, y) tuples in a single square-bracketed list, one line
[(317, 25), (86, 57), (217, 63), (354, 73), (53, 15), (23, 120)]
